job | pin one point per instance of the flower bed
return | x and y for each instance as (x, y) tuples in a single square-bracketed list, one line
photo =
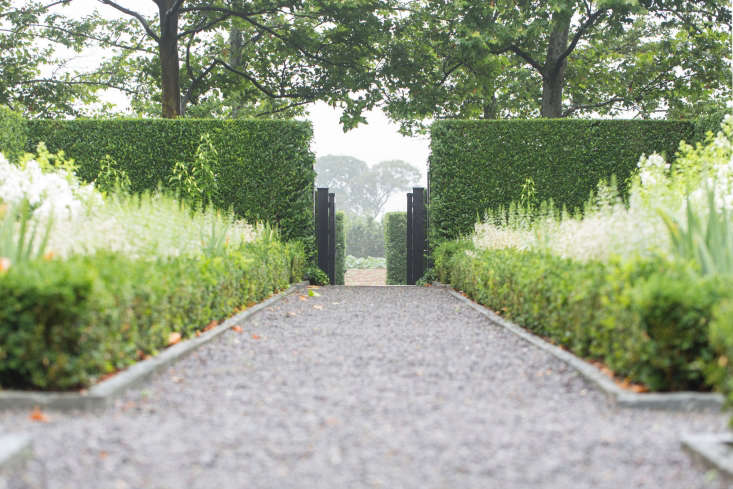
[(90, 283), (644, 285)]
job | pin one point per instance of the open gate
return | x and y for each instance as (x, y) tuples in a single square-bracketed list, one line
[(417, 244)]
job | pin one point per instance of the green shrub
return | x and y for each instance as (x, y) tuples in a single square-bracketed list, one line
[(646, 319), (481, 165), (264, 170), (13, 134), (395, 247), (316, 276), (65, 323), (709, 123), (340, 250), (364, 237), (721, 337)]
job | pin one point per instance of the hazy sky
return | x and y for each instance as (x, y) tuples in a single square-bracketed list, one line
[(379, 140)]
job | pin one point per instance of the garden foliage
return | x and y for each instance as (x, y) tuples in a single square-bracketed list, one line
[(642, 284), (395, 247), (263, 168), (90, 283), (480, 165), (364, 236), (340, 249), (65, 323), (13, 134), (646, 319)]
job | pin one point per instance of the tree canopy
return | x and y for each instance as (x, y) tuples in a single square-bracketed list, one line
[(419, 59)]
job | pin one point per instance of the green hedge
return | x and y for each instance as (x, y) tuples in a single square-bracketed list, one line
[(364, 237), (340, 249), (65, 323), (478, 165), (395, 247), (647, 319), (13, 134), (264, 173)]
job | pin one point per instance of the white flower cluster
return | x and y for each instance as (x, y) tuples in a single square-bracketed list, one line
[(49, 193), (611, 228)]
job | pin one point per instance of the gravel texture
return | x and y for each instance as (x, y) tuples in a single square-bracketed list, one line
[(388, 387)]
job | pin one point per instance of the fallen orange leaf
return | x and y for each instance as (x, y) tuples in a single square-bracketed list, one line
[(237, 329), (211, 325), (256, 337), (318, 306), (37, 415), (174, 338), (302, 297)]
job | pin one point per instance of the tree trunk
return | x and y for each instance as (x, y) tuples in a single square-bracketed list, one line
[(235, 60), (553, 75), (169, 62)]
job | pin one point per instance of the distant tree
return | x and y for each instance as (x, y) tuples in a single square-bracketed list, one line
[(361, 190), (364, 237)]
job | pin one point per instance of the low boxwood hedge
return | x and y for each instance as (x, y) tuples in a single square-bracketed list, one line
[(647, 319), (64, 323)]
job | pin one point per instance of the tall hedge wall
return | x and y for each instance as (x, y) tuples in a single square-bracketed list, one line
[(13, 133), (477, 165), (340, 272), (395, 247), (265, 169)]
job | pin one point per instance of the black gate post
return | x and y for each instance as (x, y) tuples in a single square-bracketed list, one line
[(332, 238), (409, 278), (419, 243), (322, 228)]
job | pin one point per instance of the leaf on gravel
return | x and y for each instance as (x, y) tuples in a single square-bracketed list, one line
[(211, 325), (256, 337), (291, 314), (302, 297), (37, 415), (237, 329), (174, 338), (318, 306), (313, 293)]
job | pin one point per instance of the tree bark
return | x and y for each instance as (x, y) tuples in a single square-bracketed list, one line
[(169, 61), (553, 74)]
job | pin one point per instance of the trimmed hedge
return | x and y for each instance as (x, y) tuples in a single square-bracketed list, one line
[(395, 247), (480, 165), (647, 319), (64, 324), (13, 134), (340, 249), (264, 173)]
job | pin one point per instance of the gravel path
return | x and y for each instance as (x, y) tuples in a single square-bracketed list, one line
[(362, 387)]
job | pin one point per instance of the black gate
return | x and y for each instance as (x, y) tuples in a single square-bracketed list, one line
[(326, 232), (417, 245)]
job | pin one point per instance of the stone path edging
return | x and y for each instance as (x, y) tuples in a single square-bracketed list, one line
[(14, 449), (712, 450), (677, 401), (102, 394)]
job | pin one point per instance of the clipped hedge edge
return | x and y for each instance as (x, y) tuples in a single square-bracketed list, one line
[(104, 393), (671, 401)]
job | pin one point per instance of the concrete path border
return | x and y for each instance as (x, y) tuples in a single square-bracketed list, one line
[(712, 450), (14, 449), (676, 401), (102, 394)]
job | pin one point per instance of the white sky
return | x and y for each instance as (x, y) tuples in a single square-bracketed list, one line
[(378, 140)]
